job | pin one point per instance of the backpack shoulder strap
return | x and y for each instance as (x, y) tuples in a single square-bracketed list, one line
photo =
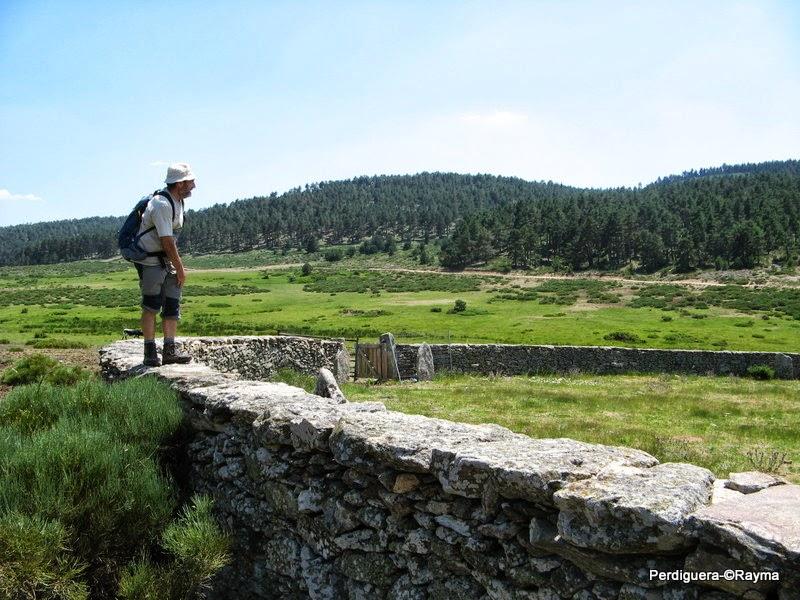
[(163, 194), (166, 195)]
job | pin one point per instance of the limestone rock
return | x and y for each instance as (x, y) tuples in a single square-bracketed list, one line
[(283, 555), (327, 387), (749, 482), (374, 568), (631, 568), (455, 587), (310, 501), (460, 527), (521, 467), (341, 368), (425, 368), (464, 457), (404, 442), (307, 421), (404, 589), (707, 560), (632, 510), (760, 529), (404, 483), (320, 579), (365, 540), (722, 493)]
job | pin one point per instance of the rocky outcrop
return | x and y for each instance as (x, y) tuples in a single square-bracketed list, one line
[(332, 499)]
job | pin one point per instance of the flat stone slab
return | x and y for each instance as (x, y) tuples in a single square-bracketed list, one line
[(762, 528), (629, 510), (749, 482), (722, 493), (466, 457)]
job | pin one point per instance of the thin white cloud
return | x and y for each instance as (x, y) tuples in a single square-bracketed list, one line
[(159, 163), (5, 195), (497, 118)]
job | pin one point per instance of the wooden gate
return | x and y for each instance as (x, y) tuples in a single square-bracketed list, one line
[(373, 362)]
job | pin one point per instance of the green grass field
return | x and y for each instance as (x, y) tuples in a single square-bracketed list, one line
[(714, 422), (91, 302)]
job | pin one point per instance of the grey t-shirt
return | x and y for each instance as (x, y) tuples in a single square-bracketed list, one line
[(159, 214)]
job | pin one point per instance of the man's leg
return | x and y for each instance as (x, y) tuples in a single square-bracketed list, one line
[(150, 282), (170, 327), (170, 315), (148, 325)]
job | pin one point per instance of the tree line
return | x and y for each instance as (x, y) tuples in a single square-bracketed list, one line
[(723, 218), (726, 216)]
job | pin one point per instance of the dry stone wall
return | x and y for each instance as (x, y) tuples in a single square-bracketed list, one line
[(327, 499), (508, 359)]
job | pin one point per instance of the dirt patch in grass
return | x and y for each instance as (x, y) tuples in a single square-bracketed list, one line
[(425, 302)]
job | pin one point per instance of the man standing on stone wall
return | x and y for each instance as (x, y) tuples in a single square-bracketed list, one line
[(161, 274)]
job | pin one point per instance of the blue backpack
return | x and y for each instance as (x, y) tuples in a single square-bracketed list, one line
[(128, 237)]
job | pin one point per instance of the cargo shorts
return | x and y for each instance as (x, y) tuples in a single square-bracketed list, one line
[(160, 290)]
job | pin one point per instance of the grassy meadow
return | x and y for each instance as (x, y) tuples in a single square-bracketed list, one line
[(725, 424), (89, 303)]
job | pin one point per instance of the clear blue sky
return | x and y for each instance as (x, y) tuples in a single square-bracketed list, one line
[(96, 98)]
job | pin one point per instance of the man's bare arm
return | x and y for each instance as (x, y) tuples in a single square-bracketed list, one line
[(171, 250)]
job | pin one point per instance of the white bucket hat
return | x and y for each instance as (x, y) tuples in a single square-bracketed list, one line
[(178, 172)]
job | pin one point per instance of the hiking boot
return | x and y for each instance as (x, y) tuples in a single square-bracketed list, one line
[(151, 356), (174, 357)]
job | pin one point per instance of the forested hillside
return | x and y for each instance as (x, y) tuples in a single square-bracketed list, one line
[(733, 217), (726, 216)]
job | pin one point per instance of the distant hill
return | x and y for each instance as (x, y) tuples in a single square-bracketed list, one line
[(695, 218)]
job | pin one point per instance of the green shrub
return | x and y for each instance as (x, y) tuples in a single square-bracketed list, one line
[(5, 341), (459, 306), (624, 336), (305, 269), (197, 542), (81, 496), (38, 368), (682, 338), (198, 549), (761, 372), (666, 318), (333, 255), (502, 265), (34, 562), (436, 309)]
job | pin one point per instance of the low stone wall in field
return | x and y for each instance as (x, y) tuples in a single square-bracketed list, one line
[(328, 499), (260, 357), (507, 359)]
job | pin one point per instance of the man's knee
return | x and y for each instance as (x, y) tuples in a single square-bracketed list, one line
[(151, 303), (172, 308)]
